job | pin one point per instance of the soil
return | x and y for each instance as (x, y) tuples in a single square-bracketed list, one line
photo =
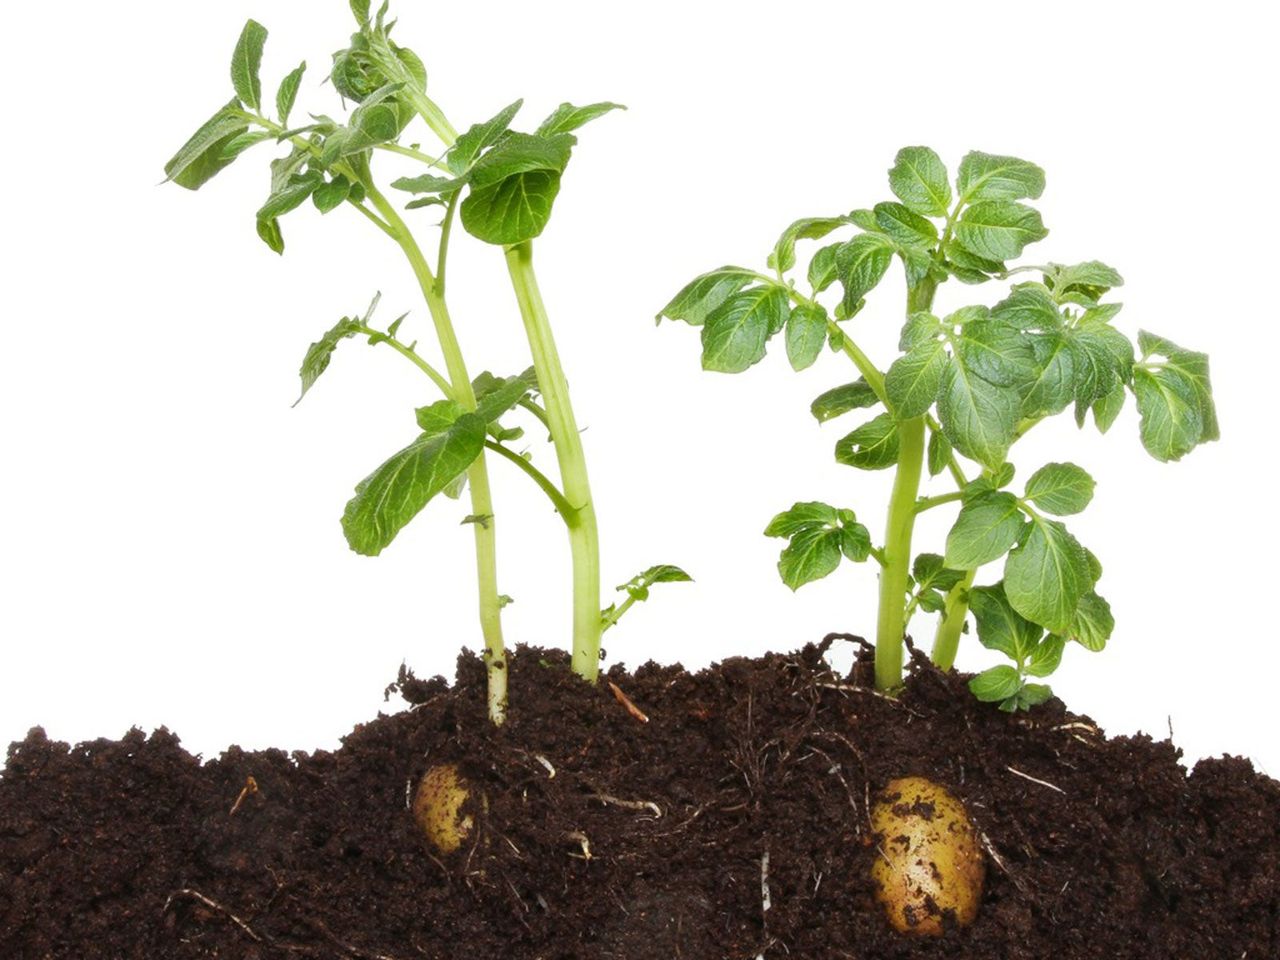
[(602, 837)]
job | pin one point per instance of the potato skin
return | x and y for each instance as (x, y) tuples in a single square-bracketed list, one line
[(929, 860), (439, 807)]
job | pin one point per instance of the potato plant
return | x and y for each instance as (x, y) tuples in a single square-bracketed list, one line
[(500, 185), (967, 386)]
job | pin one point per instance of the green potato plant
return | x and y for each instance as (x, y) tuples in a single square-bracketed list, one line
[(501, 185), (965, 389)]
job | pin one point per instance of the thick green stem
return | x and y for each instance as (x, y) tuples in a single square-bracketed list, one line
[(899, 526), (897, 553), (477, 474), (583, 536), (947, 639)]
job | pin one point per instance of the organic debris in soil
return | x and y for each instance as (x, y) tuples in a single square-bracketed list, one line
[(732, 824)]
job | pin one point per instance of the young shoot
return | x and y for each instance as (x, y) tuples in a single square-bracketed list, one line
[(966, 387), (501, 186)]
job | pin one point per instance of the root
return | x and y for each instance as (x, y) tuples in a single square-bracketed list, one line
[(189, 894), (999, 861), (611, 801), (1043, 783), (250, 788), (630, 707)]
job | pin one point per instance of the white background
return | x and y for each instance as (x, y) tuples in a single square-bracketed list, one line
[(171, 552)]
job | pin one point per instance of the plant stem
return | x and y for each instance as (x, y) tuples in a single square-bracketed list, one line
[(583, 535), (897, 552), (563, 506), (899, 526), (946, 641), (478, 473)]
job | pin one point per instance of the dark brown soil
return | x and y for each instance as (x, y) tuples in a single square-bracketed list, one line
[(1098, 848)]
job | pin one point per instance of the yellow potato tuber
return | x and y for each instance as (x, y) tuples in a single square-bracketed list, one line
[(929, 862), (440, 807)]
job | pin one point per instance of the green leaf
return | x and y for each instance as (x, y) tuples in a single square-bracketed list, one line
[(986, 528), (319, 353), (905, 226), (238, 145), (329, 196), (783, 257), (735, 334), (1090, 279), (203, 155), (997, 352), (996, 684), (822, 268), (998, 229), (860, 264), (802, 516), (1000, 627), (842, 399), (1171, 421), (269, 232), (705, 294), (919, 179), (566, 118), (1054, 387), (811, 555), (480, 136), (246, 62), (637, 588), (287, 93), (513, 187), (1093, 622), (290, 196), (360, 8), (819, 535), (1108, 407), (397, 491), (921, 327), (1103, 360), (1046, 656), (806, 335), (429, 183), (985, 176), (969, 267), (939, 452), (495, 396), (914, 378), (438, 417), (979, 417), (1194, 367), (873, 446), (1029, 306), (1060, 488), (1046, 574), (1032, 695), (511, 211), (930, 570)]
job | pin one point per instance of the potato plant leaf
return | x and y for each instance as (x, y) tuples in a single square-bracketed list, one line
[(1060, 488), (391, 496), (1046, 574), (819, 535), (872, 446), (986, 529), (566, 118), (919, 179), (246, 62), (843, 399), (204, 155), (735, 334)]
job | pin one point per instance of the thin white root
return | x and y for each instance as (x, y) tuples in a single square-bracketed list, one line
[(1043, 783), (648, 805), (551, 771), (214, 906)]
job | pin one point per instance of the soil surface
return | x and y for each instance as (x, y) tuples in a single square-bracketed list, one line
[(603, 837)]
